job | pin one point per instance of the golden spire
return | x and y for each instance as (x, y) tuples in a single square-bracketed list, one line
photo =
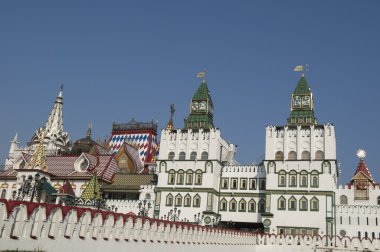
[(38, 160)]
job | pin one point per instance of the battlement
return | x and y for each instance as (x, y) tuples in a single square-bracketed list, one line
[(350, 187), (358, 209), (244, 168)]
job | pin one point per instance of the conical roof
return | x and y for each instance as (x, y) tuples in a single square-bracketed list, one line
[(302, 87), (362, 168)]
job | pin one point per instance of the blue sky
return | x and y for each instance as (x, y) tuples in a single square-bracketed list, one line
[(130, 59)]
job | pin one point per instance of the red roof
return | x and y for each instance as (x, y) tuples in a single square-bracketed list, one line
[(362, 168)]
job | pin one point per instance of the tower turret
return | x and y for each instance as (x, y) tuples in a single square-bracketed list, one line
[(201, 109), (302, 105)]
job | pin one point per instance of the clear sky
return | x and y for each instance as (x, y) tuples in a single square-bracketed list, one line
[(130, 59)]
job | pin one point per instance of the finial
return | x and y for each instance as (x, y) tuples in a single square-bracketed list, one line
[(202, 74), (301, 68), (172, 110), (89, 130), (361, 154), (61, 87)]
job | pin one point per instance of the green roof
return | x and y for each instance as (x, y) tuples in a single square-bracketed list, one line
[(302, 87)]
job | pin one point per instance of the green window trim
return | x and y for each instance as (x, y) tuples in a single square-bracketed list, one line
[(250, 208), (225, 183), (243, 181), (290, 208), (282, 180), (303, 199), (252, 185), (232, 183), (281, 199), (312, 208)]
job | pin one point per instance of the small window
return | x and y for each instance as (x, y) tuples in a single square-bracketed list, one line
[(303, 179), (319, 155), (193, 155), (204, 155), (242, 205), (189, 178), (234, 183), (314, 204), (187, 201), (3, 193), (293, 179), (281, 203), (178, 200), (223, 205), (305, 155), (303, 204), (243, 184), (343, 200), (282, 179), (233, 205), (262, 184), (292, 155), (147, 196), (198, 177), (314, 179), (169, 200), (378, 200), (279, 155), (171, 155), (252, 184), (197, 201), (225, 183), (182, 155), (180, 178), (252, 206), (84, 165), (262, 206), (171, 177), (292, 205)]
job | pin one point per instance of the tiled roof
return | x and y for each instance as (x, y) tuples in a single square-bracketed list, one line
[(362, 168), (128, 181)]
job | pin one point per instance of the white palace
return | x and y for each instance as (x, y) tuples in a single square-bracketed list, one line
[(189, 176)]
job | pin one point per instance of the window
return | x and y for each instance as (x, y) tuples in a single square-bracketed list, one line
[(171, 155), (223, 205), (378, 200), (234, 183), (204, 155), (281, 203), (282, 179), (178, 200), (252, 206), (292, 155), (314, 179), (147, 196), (314, 204), (187, 200), (305, 155), (343, 200), (292, 204), (84, 165), (169, 200), (262, 206), (171, 177), (3, 194), (197, 201), (198, 177), (279, 155), (243, 184), (252, 184), (303, 179), (233, 205), (242, 205), (182, 155), (180, 177), (225, 183), (193, 155), (262, 184), (189, 177), (292, 179), (303, 204), (319, 155)]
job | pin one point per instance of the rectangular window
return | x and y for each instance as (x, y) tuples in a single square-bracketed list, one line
[(180, 179), (303, 181), (189, 179), (243, 184), (234, 183), (281, 180), (233, 206), (171, 178), (187, 201), (314, 181), (252, 184), (198, 179), (223, 206), (225, 183), (251, 206), (262, 184)]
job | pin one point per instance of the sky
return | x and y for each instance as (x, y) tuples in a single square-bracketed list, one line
[(120, 60)]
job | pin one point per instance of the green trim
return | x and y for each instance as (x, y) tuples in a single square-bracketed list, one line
[(247, 194), (301, 192), (243, 179), (250, 183), (278, 203), (249, 206), (303, 199), (237, 183), (186, 189), (223, 180)]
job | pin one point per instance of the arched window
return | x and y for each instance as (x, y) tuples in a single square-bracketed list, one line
[(204, 155), (198, 177), (282, 178), (262, 206), (178, 200), (314, 204), (189, 177), (279, 155), (319, 155), (233, 205), (193, 155), (171, 155), (180, 177), (242, 205), (281, 203), (171, 177), (303, 204), (169, 200), (343, 200), (187, 200), (223, 205), (303, 179), (305, 155), (3, 193), (292, 204), (182, 155), (147, 196), (314, 179), (252, 206), (292, 179), (292, 155), (197, 201)]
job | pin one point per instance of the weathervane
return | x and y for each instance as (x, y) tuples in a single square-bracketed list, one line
[(302, 68), (202, 74), (361, 154), (172, 110)]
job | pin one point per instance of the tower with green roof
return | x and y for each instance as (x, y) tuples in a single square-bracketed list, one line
[(201, 109), (302, 105)]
